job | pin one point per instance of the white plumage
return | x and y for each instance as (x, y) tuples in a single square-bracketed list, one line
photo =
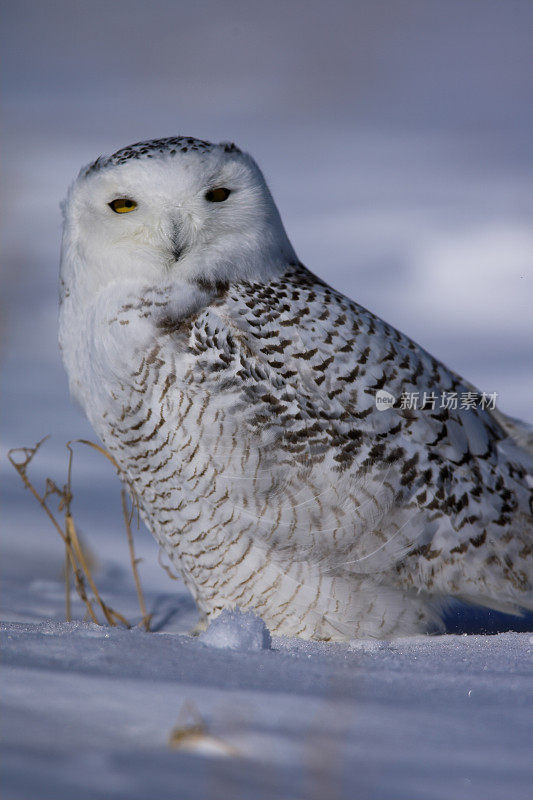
[(237, 392)]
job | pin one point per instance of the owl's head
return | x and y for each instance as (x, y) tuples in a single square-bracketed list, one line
[(167, 209)]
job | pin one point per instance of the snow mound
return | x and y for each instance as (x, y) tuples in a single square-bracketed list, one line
[(237, 630)]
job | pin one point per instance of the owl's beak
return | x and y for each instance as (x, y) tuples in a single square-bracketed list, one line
[(177, 245), (176, 252)]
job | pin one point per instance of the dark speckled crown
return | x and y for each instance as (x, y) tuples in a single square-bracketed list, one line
[(153, 147)]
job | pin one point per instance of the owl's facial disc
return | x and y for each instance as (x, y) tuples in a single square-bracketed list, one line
[(169, 214), (175, 212)]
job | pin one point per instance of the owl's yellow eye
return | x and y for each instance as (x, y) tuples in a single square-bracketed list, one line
[(217, 195), (122, 205)]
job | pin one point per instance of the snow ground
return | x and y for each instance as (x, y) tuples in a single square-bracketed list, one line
[(88, 712), (397, 146)]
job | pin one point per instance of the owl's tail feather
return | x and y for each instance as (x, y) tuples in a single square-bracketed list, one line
[(513, 609)]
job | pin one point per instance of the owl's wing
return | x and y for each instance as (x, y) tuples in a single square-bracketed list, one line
[(323, 471)]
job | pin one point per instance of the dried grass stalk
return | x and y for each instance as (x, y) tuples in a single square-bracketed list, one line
[(192, 734), (76, 561), (134, 561)]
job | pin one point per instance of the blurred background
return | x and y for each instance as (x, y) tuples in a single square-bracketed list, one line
[(397, 140)]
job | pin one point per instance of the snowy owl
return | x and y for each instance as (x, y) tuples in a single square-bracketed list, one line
[(259, 416)]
